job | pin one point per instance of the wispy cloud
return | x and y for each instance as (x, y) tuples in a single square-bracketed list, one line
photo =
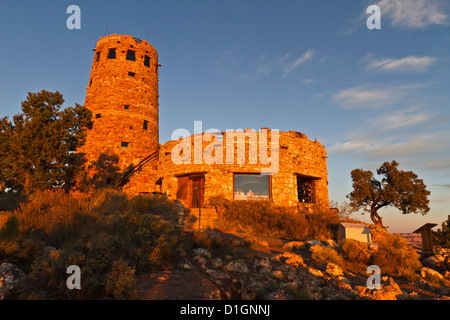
[(404, 118), (407, 64), (447, 185), (369, 97), (284, 65), (414, 13), (389, 147)]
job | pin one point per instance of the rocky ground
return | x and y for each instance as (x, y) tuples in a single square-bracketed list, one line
[(222, 266), (235, 266)]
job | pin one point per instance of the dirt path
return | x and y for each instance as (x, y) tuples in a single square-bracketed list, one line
[(175, 285)]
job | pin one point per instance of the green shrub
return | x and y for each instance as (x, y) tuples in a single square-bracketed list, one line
[(395, 257), (109, 236), (10, 229), (266, 219), (120, 283), (355, 251), (326, 254)]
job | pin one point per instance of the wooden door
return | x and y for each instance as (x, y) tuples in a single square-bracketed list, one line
[(197, 189)]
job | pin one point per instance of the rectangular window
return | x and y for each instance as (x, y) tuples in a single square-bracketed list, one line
[(131, 74), (98, 56), (306, 189), (112, 53), (126, 107), (147, 61), (131, 55), (145, 125), (98, 115), (124, 144), (251, 187)]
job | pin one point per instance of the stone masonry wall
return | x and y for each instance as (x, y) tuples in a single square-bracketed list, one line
[(123, 95), (297, 156)]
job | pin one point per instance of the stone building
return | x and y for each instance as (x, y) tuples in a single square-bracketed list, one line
[(284, 167)]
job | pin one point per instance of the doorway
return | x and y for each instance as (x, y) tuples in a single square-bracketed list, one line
[(196, 191)]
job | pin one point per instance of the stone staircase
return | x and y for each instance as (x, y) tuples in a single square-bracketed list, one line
[(200, 219)]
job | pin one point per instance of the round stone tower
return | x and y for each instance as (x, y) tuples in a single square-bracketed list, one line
[(123, 97)]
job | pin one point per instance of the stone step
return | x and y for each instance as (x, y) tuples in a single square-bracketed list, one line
[(207, 217)]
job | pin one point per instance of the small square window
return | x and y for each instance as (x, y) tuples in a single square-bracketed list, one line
[(147, 61), (131, 55), (98, 115), (112, 53), (124, 144), (131, 74), (145, 125), (126, 107)]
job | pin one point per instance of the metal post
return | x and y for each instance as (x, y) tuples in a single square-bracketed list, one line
[(199, 213)]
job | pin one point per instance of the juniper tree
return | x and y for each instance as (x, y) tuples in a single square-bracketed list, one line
[(37, 148), (400, 189)]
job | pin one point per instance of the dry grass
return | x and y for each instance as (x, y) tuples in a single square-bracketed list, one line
[(266, 219), (109, 236)]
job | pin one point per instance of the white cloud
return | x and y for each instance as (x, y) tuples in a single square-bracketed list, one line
[(285, 65), (414, 13), (367, 97), (410, 63), (392, 147), (403, 118), (291, 66), (349, 146)]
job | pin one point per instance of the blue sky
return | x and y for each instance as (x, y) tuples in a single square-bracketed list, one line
[(311, 66)]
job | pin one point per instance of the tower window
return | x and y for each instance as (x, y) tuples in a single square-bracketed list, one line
[(147, 61), (131, 55), (112, 53), (98, 56), (145, 125), (306, 189), (98, 115), (131, 74), (124, 144), (126, 107)]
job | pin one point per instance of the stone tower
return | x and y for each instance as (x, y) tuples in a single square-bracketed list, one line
[(123, 97)]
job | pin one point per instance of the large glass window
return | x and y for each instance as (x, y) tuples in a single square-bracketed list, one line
[(251, 187)]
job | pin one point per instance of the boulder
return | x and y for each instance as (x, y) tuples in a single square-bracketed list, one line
[(331, 268), (217, 263), (291, 259), (280, 294), (293, 245), (262, 265), (331, 243), (277, 274), (10, 275), (311, 243), (255, 242), (431, 275), (236, 266), (217, 274), (202, 252), (388, 292), (435, 261)]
